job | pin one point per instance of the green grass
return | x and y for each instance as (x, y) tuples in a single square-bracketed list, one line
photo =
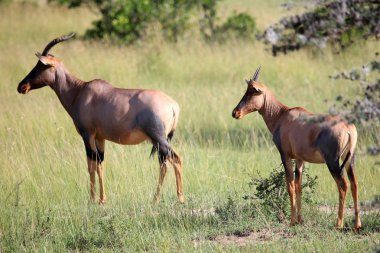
[(43, 176)]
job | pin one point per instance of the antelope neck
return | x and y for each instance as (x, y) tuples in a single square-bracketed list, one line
[(272, 111), (67, 87)]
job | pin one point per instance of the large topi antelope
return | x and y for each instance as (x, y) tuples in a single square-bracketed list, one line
[(102, 112), (304, 136)]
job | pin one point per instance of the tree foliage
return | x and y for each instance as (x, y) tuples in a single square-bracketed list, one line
[(339, 22), (239, 25), (129, 20)]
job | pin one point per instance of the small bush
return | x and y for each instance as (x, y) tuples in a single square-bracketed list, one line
[(269, 197), (240, 25), (272, 195), (228, 211)]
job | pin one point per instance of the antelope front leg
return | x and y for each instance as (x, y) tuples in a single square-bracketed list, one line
[(96, 167), (287, 162), (102, 196), (94, 160), (100, 145), (92, 170)]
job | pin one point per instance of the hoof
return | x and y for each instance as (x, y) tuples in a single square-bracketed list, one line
[(339, 224), (181, 199), (293, 220), (357, 228), (156, 200)]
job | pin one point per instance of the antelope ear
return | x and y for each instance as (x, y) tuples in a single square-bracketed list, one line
[(247, 81), (258, 91), (46, 60)]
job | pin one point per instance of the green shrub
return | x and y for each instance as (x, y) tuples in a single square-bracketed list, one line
[(269, 198), (228, 211), (272, 195), (124, 20), (128, 20), (240, 25)]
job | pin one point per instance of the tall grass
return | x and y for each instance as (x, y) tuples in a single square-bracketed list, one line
[(43, 177)]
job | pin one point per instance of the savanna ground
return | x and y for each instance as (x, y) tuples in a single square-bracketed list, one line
[(44, 182)]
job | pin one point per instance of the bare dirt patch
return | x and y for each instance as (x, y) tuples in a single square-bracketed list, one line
[(203, 211), (260, 235), (263, 235)]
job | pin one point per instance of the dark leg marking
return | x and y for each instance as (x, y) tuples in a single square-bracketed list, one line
[(100, 155), (277, 140), (328, 145), (345, 160), (153, 126), (163, 148), (170, 135), (93, 155)]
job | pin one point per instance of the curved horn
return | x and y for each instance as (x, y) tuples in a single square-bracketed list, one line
[(256, 75), (56, 41)]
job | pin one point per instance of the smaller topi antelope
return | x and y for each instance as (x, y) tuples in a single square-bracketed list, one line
[(303, 136), (102, 112)]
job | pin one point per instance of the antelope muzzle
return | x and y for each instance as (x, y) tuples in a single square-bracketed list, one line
[(23, 88), (237, 114)]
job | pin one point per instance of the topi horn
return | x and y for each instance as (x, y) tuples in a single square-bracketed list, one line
[(256, 75), (56, 41)]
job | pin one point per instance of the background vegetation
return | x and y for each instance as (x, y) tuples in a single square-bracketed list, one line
[(338, 22), (43, 177), (129, 21)]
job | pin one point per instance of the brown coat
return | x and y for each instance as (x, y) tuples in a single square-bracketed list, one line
[(102, 112), (304, 136)]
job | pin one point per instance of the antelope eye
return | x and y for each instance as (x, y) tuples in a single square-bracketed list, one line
[(256, 93), (252, 91)]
